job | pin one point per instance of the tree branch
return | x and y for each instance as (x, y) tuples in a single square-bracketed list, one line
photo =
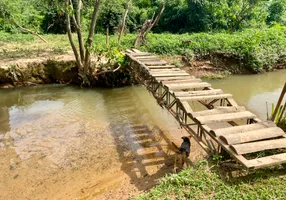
[(91, 34), (123, 22), (68, 28), (27, 30), (108, 71)]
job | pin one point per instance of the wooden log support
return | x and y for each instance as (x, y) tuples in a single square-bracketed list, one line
[(199, 93), (187, 86), (169, 74), (191, 80), (166, 70), (163, 67), (206, 97), (242, 128), (169, 78), (159, 62), (258, 146), (218, 110), (225, 117), (251, 136), (267, 161)]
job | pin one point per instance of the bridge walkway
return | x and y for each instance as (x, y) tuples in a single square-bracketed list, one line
[(212, 117)]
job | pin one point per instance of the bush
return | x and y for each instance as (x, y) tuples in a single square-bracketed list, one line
[(257, 49)]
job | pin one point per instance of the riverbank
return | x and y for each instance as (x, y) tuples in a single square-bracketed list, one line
[(210, 55)]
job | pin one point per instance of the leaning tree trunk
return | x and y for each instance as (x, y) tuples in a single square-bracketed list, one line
[(146, 28)]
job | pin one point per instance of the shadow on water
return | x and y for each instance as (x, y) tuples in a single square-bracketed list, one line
[(141, 142), (147, 159)]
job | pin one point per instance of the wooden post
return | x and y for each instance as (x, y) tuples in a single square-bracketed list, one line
[(279, 103), (107, 37)]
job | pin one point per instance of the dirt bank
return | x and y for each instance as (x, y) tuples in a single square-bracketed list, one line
[(58, 69)]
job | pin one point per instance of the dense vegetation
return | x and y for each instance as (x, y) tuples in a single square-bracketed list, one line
[(180, 16), (250, 31)]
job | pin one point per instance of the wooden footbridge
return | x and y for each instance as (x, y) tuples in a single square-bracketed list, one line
[(219, 123)]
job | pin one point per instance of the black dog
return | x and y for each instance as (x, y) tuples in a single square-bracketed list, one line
[(183, 151)]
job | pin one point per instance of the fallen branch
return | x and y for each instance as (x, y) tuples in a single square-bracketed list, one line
[(27, 30)]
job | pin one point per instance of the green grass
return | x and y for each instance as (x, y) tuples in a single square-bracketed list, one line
[(199, 182), (255, 49)]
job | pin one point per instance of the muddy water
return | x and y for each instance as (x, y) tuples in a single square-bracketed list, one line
[(62, 142), (254, 91)]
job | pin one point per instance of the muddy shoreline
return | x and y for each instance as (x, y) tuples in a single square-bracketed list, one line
[(32, 72), (63, 70)]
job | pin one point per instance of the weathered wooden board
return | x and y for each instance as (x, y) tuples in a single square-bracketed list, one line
[(242, 128), (251, 136), (166, 70), (169, 74), (225, 117), (136, 50), (198, 93), (162, 67), (149, 60), (187, 107), (187, 86), (206, 97), (174, 78), (140, 54), (218, 110), (160, 62), (192, 80), (258, 146), (146, 57), (267, 161)]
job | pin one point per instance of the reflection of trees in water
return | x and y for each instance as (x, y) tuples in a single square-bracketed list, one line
[(27, 95)]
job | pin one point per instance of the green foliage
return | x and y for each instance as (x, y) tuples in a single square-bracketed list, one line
[(199, 182), (256, 49)]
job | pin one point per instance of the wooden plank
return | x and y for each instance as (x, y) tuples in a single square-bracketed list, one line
[(251, 136), (161, 62), (187, 107), (199, 93), (241, 159), (137, 51), (169, 74), (141, 54), (149, 59), (129, 51), (168, 78), (203, 98), (187, 86), (191, 80), (225, 117), (242, 128), (267, 161), (167, 70), (163, 67), (146, 57), (258, 146), (219, 110), (232, 102)]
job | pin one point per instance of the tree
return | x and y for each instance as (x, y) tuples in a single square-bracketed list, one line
[(82, 54), (147, 26)]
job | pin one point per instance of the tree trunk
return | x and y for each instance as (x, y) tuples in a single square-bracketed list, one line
[(91, 35), (146, 28), (124, 20)]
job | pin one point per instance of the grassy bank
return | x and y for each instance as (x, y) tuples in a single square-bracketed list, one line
[(199, 182), (256, 50)]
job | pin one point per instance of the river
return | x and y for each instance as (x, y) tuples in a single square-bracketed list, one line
[(63, 142)]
